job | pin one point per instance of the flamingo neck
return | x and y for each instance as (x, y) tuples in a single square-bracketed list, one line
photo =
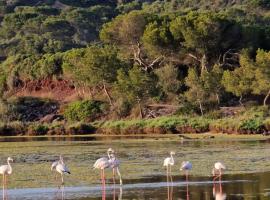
[(109, 156), (10, 168), (172, 158)]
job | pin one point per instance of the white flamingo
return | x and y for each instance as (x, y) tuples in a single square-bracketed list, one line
[(6, 170), (102, 164), (60, 167), (217, 170), (169, 162), (186, 166)]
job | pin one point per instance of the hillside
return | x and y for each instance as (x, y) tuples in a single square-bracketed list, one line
[(125, 59)]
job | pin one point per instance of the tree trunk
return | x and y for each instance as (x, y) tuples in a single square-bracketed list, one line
[(204, 63), (266, 98), (107, 93), (240, 100), (218, 99), (201, 108), (140, 107)]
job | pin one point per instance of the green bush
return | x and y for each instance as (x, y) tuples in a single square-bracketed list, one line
[(255, 124), (38, 129), (87, 110)]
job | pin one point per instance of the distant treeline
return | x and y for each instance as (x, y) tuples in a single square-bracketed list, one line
[(126, 54)]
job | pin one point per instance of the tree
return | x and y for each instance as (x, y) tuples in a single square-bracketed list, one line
[(94, 66), (261, 83), (205, 35), (212, 81), (196, 93), (168, 79), (126, 32), (134, 86), (239, 82)]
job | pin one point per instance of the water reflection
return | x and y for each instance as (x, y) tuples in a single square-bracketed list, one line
[(169, 187), (115, 195), (60, 193), (218, 192)]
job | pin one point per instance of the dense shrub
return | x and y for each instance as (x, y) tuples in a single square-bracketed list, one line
[(80, 128), (87, 110), (38, 129)]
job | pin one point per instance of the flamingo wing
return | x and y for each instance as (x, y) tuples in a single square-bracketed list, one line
[(101, 163), (54, 164), (4, 169), (62, 168), (186, 165), (219, 165)]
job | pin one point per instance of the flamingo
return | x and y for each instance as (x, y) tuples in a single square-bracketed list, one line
[(102, 164), (217, 170), (169, 162), (186, 166), (6, 170), (114, 164), (60, 167)]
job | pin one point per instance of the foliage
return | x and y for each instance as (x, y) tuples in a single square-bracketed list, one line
[(92, 66), (196, 54), (86, 110), (134, 85)]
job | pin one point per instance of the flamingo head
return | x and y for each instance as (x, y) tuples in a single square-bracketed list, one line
[(10, 159), (61, 158), (110, 151), (172, 153)]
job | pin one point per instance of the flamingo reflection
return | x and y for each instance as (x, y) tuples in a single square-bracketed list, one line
[(218, 192), (170, 187), (60, 194), (120, 194)]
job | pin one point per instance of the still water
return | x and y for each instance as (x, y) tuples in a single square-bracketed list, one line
[(247, 176)]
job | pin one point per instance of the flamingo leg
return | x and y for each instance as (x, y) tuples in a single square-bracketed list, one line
[(167, 173), (62, 179), (168, 186), (104, 185), (3, 186), (119, 174), (187, 184), (114, 176)]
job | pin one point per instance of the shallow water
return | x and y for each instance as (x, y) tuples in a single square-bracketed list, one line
[(247, 177)]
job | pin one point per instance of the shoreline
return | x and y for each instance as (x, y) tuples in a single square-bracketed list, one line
[(169, 125)]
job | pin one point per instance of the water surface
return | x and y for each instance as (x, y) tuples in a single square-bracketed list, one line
[(247, 177)]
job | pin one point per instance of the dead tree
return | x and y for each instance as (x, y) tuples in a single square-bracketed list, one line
[(143, 63)]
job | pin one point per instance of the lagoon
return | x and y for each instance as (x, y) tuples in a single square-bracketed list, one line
[(247, 160)]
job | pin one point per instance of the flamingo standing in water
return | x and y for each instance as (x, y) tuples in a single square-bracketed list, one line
[(6, 170), (102, 164), (169, 162), (217, 170), (186, 166), (61, 168)]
